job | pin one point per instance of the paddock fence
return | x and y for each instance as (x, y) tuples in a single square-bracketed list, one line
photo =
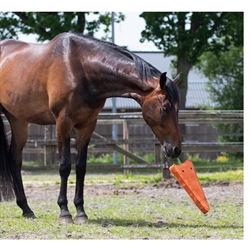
[(201, 136)]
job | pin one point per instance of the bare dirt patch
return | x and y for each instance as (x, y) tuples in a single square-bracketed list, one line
[(218, 190)]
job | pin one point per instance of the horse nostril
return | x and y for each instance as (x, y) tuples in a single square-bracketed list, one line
[(171, 151), (177, 151)]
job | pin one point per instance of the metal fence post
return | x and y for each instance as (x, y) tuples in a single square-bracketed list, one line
[(125, 136)]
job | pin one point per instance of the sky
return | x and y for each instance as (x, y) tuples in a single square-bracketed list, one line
[(127, 33)]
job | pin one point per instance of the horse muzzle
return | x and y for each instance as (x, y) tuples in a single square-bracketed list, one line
[(171, 152)]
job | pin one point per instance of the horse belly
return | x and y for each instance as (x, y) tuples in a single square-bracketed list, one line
[(31, 110)]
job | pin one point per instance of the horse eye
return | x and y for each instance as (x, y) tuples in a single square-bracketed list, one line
[(165, 108)]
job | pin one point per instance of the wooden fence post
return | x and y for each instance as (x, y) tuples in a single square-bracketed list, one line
[(157, 153), (165, 165), (49, 148), (165, 168)]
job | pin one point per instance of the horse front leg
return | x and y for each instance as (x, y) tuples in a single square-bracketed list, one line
[(81, 216), (63, 127), (83, 135)]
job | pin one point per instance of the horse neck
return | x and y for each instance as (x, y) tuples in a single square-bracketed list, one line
[(109, 70), (125, 85)]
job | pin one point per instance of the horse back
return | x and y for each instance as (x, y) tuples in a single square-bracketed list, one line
[(11, 44)]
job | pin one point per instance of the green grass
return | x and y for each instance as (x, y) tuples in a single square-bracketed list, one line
[(108, 158), (134, 215), (131, 177), (221, 164), (231, 175), (128, 217)]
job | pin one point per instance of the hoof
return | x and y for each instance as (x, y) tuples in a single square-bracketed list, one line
[(29, 215), (66, 219), (81, 219)]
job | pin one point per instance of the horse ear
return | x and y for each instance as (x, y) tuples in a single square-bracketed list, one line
[(163, 79), (177, 78)]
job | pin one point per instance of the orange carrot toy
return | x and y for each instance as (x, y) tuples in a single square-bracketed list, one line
[(187, 177)]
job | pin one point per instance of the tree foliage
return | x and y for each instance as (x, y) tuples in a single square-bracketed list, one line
[(49, 24), (187, 35), (225, 74), (226, 87)]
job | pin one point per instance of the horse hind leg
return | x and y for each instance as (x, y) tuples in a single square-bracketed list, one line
[(63, 127), (18, 140)]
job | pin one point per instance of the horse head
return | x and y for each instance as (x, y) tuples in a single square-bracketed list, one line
[(160, 111)]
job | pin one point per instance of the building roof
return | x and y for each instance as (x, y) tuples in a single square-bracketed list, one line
[(197, 96)]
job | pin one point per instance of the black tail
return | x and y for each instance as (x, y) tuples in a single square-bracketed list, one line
[(6, 181)]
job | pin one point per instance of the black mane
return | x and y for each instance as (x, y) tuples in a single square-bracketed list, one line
[(144, 69), (172, 91)]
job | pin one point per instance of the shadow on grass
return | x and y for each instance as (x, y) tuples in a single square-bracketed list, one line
[(159, 224)]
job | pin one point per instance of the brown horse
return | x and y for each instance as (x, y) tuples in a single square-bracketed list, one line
[(66, 82)]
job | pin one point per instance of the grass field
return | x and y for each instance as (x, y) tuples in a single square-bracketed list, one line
[(128, 217), (137, 177), (130, 206)]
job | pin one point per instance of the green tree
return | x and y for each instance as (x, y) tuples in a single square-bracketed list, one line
[(49, 24), (226, 87), (225, 74), (187, 35)]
